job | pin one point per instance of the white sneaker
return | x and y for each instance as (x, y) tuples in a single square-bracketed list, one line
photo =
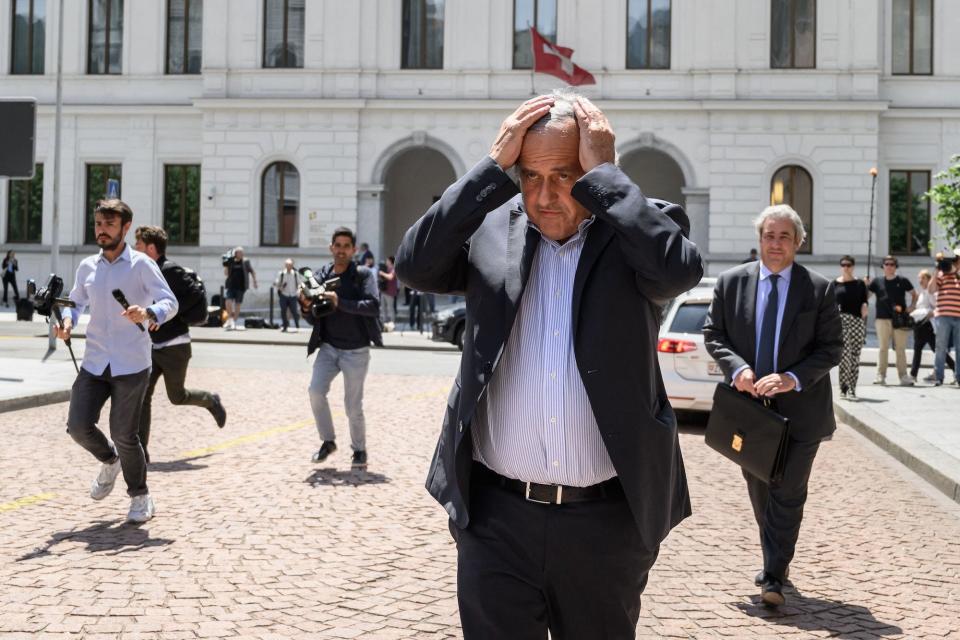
[(294, 329), (103, 484), (141, 509), (228, 325), (880, 381), (907, 381)]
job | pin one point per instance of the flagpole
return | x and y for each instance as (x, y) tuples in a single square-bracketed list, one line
[(533, 63)]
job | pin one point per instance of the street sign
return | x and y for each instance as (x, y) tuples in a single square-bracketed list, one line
[(113, 189), (18, 142)]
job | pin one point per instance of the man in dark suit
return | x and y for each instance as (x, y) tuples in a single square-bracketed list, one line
[(558, 462), (774, 329)]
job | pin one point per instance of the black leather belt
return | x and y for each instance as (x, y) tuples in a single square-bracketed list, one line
[(548, 493)]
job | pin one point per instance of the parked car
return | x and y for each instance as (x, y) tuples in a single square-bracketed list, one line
[(690, 375), (449, 323)]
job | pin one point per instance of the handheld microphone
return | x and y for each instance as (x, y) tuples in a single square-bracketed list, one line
[(122, 299)]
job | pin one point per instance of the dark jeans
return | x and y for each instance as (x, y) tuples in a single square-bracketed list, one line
[(8, 280), (778, 508), (524, 568), (415, 310), (291, 303), (171, 363), (924, 335), (125, 392)]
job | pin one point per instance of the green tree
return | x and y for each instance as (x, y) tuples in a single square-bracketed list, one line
[(946, 193)]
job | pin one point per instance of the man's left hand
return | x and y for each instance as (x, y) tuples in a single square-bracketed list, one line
[(135, 314), (596, 135), (774, 383), (332, 295)]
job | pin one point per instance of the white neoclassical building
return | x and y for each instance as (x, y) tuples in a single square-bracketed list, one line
[(267, 123)]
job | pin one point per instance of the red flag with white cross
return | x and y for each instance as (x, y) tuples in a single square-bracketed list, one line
[(557, 61)]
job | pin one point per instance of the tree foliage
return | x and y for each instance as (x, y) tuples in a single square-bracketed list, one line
[(946, 193)]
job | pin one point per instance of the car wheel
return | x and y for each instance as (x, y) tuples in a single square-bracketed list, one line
[(458, 337)]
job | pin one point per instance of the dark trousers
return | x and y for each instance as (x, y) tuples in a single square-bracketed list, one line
[(415, 310), (292, 304), (524, 568), (923, 335), (171, 363), (778, 507), (8, 280), (87, 398)]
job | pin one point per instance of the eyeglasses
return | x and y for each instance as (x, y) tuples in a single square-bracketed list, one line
[(845, 264)]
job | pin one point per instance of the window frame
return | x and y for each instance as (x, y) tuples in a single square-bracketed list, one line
[(16, 184), (286, 35), (183, 212), (283, 181), (909, 173), (513, 34), (910, 47), (649, 47), (807, 247), (13, 40), (88, 201), (106, 42), (186, 41), (793, 35), (422, 63)]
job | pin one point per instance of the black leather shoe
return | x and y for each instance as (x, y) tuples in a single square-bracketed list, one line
[(219, 413), (359, 461), (771, 592), (758, 579), (328, 447)]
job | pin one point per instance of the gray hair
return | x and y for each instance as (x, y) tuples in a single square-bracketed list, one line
[(781, 212)]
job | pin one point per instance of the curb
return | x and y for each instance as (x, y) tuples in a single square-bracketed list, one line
[(901, 446), (33, 401), (439, 348)]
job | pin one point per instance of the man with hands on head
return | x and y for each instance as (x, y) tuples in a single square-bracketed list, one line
[(116, 360), (558, 462), (774, 329)]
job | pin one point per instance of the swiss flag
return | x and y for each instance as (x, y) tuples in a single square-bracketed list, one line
[(557, 61)]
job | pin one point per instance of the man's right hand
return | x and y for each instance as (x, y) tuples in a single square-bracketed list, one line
[(506, 148), (64, 330), (745, 382)]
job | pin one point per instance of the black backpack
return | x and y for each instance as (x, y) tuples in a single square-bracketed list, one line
[(193, 305)]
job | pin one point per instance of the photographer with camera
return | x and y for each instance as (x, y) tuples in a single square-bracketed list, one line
[(287, 283), (946, 315), (239, 272), (344, 325), (171, 342), (116, 363)]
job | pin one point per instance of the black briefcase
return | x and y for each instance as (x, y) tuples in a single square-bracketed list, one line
[(746, 431)]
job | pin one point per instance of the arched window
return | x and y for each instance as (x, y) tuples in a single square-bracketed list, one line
[(792, 185), (279, 205)]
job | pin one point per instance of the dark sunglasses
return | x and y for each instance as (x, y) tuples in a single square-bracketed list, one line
[(846, 264)]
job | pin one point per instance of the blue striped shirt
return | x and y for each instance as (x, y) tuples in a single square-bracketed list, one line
[(535, 423)]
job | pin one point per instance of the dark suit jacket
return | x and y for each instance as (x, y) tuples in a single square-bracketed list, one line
[(636, 256), (810, 341)]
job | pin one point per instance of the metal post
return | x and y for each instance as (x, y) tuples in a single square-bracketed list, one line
[(873, 188), (271, 307), (55, 230)]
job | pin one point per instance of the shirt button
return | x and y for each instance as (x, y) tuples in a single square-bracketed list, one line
[(553, 375), (553, 420), (556, 464), (556, 333)]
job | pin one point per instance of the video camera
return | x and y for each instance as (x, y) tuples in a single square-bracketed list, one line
[(945, 260), (47, 300), (313, 290), (228, 257)]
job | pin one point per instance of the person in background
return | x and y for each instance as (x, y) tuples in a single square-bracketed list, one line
[(891, 290), (752, 257), (389, 286), (364, 256), (10, 268), (852, 299), (239, 272), (946, 286), (923, 331), (287, 284)]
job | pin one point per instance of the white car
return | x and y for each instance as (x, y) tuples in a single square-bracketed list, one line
[(690, 375)]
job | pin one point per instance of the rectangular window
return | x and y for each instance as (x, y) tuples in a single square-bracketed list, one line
[(105, 36), (184, 36), (283, 28), (913, 37), (99, 185), (27, 37), (648, 34), (181, 203), (422, 34), (541, 14), (25, 208), (793, 34), (909, 212)]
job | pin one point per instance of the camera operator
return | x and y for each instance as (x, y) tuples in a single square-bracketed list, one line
[(239, 272), (287, 283), (946, 286), (116, 363), (171, 342), (342, 340)]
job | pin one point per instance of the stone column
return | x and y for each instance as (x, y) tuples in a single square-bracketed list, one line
[(370, 217), (698, 210)]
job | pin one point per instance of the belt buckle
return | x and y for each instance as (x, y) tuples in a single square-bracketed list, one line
[(529, 499)]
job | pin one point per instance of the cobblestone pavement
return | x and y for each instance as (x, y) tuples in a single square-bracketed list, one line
[(251, 540)]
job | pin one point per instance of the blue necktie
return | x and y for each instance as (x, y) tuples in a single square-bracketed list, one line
[(768, 331)]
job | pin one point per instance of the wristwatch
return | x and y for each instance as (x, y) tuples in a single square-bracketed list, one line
[(152, 316)]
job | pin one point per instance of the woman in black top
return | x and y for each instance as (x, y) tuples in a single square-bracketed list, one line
[(851, 295), (10, 268)]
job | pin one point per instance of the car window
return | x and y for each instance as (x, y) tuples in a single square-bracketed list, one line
[(689, 318)]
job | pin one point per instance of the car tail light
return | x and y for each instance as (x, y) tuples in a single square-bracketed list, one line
[(672, 345)]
